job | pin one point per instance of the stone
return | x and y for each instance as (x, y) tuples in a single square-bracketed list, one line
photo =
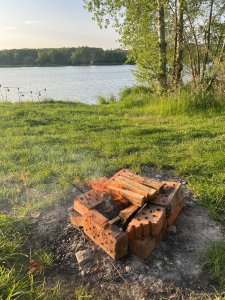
[(127, 269), (172, 229), (83, 257)]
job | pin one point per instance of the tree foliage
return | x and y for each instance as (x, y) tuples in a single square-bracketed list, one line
[(166, 37), (62, 56)]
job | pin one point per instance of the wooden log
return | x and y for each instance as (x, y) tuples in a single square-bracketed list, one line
[(126, 213), (136, 187), (113, 221), (134, 198), (143, 180)]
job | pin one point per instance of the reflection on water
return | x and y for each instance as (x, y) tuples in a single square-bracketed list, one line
[(83, 83)]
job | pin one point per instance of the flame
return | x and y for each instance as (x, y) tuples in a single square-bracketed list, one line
[(109, 209), (120, 198), (100, 185)]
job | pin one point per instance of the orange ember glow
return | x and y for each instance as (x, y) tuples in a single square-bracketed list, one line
[(119, 197), (100, 185)]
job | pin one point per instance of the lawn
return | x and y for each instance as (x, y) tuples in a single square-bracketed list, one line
[(48, 147)]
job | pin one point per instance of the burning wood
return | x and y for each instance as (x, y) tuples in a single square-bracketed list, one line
[(127, 211)]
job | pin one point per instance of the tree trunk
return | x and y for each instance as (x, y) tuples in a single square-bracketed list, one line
[(175, 43), (162, 77), (208, 40), (180, 41), (198, 54)]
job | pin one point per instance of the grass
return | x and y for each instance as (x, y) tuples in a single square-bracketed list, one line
[(46, 147), (214, 261)]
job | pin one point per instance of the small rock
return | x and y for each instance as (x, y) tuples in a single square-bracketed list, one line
[(128, 269), (158, 176), (83, 257), (166, 259), (159, 265), (172, 229), (68, 255), (35, 215), (183, 182)]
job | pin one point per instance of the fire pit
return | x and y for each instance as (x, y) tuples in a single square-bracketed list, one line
[(127, 212)]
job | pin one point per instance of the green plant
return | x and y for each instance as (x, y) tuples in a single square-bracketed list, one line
[(214, 261), (106, 100), (82, 293), (134, 90)]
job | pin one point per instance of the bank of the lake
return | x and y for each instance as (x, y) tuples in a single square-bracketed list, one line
[(47, 147)]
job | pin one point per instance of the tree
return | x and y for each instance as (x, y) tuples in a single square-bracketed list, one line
[(142, 28), (42, 57), (162, 36)]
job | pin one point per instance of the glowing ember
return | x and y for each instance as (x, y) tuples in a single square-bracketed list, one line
[(100, 185)]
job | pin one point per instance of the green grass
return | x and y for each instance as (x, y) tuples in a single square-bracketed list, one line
[(46, 147), (214, 261)]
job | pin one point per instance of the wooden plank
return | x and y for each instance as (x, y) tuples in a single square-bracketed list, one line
[(135, 187), (140, 179), (126, 213), (134, 198)]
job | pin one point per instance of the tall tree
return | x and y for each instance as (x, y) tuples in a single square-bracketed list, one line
[(162, 47), (179, 43), (142, 27), (163, 35)]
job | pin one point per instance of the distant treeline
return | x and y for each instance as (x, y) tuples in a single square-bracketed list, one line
[(62, 57)]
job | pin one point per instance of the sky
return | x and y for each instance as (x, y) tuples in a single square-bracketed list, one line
[(51, 24)]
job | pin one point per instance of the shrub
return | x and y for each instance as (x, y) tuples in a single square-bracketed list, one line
[(106, 100)]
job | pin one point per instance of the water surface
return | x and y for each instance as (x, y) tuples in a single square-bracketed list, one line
[(79, 83)]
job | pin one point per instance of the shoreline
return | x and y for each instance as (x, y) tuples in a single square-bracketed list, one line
[(55, 66)]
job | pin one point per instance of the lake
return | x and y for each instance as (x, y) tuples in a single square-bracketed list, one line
[(79, 83)]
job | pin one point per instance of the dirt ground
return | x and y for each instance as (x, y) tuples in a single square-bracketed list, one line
[(174, 270)]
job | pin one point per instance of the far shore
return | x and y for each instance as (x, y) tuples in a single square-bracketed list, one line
[(80, 65)]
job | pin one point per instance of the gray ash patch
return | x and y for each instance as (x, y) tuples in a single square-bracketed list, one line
[(174, 269)]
